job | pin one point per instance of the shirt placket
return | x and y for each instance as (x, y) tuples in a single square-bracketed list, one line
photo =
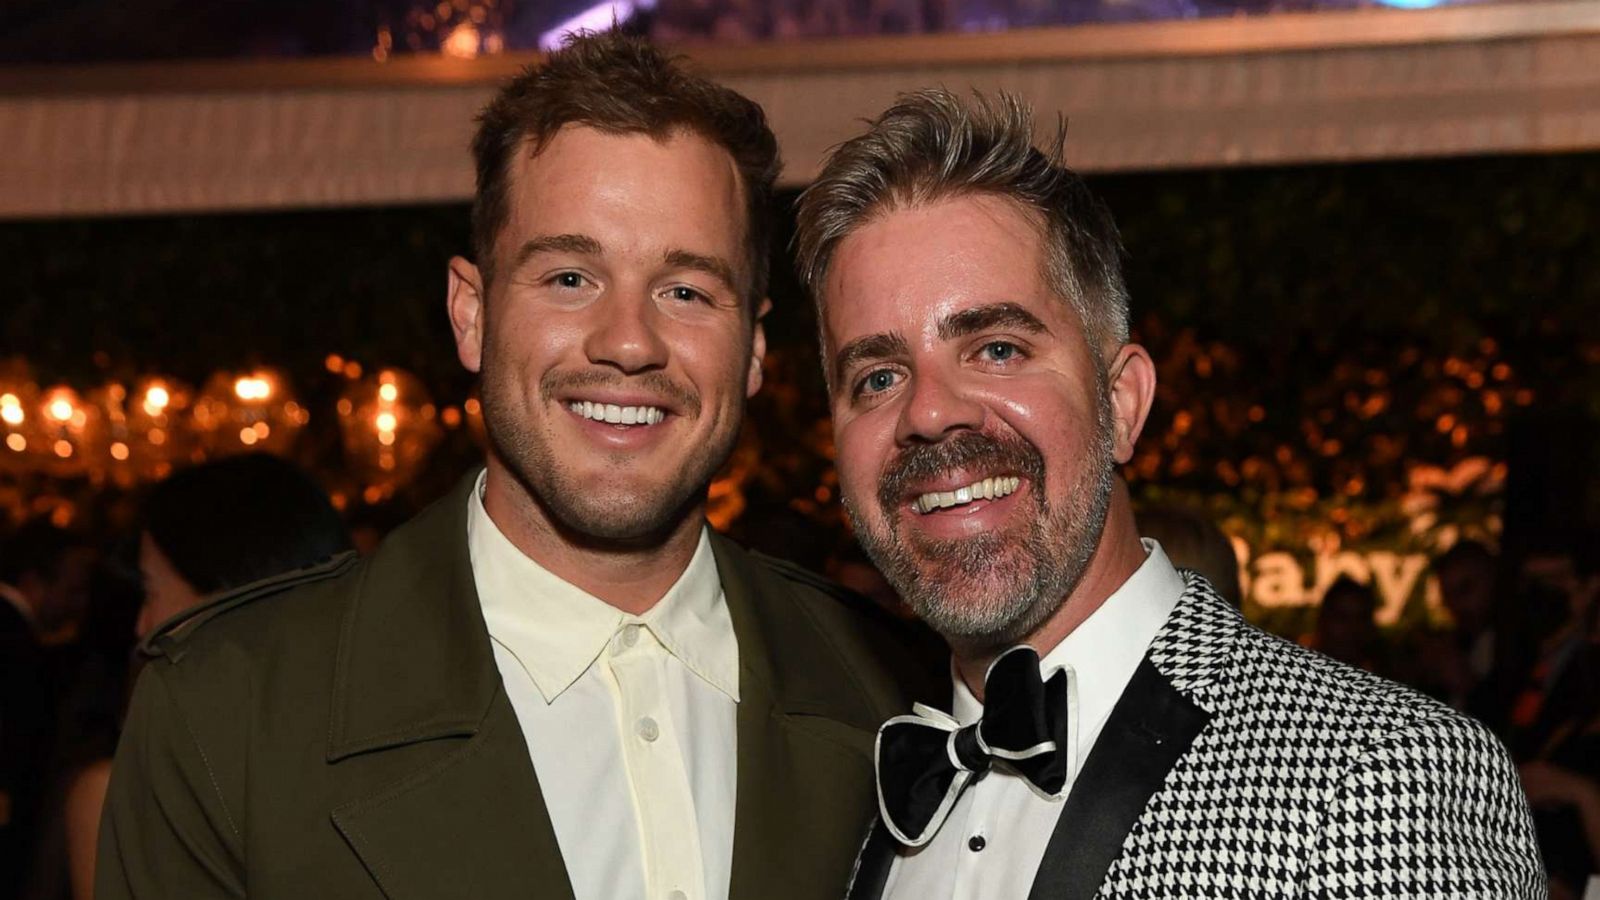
[(972, 852), (657, 778)]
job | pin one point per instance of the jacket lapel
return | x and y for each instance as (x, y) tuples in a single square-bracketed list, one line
[(472, 824), (415, 668), (804, 756), (1159, 715), (1151, 726)]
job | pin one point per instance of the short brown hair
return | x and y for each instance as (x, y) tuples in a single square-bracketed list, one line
[(929, 146), (620, 84)]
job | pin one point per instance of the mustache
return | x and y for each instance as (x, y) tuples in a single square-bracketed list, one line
[(965, 450), (554, 383)]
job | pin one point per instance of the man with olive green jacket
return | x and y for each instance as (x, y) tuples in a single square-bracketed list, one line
[(557, 682), (343, 732)]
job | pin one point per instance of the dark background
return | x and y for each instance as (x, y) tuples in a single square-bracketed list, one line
[(1287, 308)]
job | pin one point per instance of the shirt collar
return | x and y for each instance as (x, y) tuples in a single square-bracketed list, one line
[(556, 630), (1104, 651)]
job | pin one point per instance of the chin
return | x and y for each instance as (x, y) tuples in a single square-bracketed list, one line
[(977, 626), (620, 517)]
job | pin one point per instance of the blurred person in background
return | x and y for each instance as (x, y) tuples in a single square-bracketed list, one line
[(206, 530), (1194, 542), (93, 691), (226, 524), (1346, 628), (44, 578), (1467, 582), (1548, 635), (44, 581), (1555, 714)]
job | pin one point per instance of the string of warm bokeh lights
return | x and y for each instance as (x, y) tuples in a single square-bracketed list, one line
[(121, 434), (124, 434)]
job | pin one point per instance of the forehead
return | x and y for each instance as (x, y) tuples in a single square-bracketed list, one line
[(908, 267), (630, 191)]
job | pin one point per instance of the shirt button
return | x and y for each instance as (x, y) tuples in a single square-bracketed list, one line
[(976, 843), (648, 729), (630, 635)]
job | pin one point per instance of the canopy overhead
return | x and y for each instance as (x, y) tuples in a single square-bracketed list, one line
[(1287, 88)]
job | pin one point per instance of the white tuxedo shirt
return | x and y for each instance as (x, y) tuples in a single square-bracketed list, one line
[(990, 845)]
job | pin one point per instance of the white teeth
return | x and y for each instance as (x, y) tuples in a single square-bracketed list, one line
[(987, 489), (617, 415)]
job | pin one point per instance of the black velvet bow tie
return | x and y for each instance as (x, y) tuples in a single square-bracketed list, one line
[(926, 760)]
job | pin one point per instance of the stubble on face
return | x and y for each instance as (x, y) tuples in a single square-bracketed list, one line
[(991, 590), (595, 512)]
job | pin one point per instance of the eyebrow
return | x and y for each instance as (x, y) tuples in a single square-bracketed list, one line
[(984, 318), (873, 346), (558, 243), (715, 266)]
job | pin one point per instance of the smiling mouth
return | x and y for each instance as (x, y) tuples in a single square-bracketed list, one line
[(987, 489), (612, 414)]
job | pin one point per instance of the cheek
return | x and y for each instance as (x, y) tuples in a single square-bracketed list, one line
[(862, 447), (714, 359), (520, 347), (1053, 418)]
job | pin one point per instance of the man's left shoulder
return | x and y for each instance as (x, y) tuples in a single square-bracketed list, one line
[(1369, 759), (1340, 707)]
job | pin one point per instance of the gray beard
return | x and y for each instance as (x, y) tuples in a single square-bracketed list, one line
[(992, 590)]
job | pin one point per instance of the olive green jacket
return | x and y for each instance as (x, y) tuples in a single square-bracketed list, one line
[(343, 732)]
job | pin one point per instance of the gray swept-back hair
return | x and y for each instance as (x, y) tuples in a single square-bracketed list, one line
[(931, 146)]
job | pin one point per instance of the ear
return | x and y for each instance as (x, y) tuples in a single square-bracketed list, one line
[(1133, 390), (758, 349), (465, 304)]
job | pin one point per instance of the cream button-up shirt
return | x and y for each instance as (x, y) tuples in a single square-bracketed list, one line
[(629, 720), (990, 846)]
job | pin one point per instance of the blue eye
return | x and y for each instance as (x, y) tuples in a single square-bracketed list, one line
[(1000, 351), (878, 381), (568, 280)]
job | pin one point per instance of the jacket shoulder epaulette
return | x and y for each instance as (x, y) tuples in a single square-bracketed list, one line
[(167, 639)]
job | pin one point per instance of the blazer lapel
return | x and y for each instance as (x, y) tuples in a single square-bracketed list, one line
[(415, 678), (472, 824), (1151, 726), (804, 758), (1159, 715)]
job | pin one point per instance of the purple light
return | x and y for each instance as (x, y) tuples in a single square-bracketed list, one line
[(600, 17)]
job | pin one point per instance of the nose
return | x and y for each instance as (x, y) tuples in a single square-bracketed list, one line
[(936, 406), (625, 334)]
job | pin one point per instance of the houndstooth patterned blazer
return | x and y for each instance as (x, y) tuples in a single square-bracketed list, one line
[(1238, 765)]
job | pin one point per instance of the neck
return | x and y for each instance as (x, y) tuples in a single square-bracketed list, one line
[(1116, 557), (631, 576)]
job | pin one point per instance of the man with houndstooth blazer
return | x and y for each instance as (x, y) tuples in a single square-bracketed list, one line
[(1117, 730)]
